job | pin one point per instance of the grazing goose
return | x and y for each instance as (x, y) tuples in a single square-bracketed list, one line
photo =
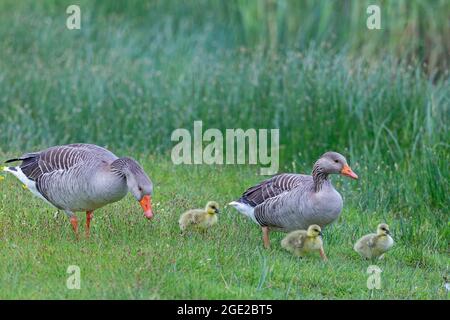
[(82, 177), (302, 242), (201, 219), (374, 245), (288, 202)]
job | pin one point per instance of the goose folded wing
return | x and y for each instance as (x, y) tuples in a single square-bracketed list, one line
[(274, 213), (271, 188), (36, 165)]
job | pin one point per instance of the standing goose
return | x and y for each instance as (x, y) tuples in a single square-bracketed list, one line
[(82, 177), (288, 201)]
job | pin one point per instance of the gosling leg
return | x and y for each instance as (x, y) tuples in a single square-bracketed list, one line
[(323, 255)]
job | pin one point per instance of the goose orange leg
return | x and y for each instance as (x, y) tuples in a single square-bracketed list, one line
[(74, 223), (89, 215), (266, 239)]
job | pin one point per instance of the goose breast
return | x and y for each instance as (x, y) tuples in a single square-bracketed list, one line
[(326, 205)]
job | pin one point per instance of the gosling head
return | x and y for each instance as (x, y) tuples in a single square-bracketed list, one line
[(314, 231), (383, 229), (138, 183), (334, 163), (212, 207)]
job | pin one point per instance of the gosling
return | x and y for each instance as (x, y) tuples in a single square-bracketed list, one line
[(200, 219), (302, 242), (374, 245)]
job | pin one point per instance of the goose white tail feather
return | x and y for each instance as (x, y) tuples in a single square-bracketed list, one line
[(30, 184), (245, 209)]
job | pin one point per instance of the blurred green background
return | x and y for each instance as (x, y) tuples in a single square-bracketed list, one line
[(137, 70)]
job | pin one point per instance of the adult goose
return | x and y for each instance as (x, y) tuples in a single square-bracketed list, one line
[(288, 201), (82, 177)]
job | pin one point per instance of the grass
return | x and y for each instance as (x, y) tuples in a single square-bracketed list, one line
[(128, 81), (130, 258), (138, 70)]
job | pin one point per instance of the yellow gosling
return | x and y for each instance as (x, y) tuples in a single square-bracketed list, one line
[(374, 245), (200, 219), (302, 242)]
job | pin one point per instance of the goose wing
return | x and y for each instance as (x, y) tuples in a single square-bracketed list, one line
[(41, 166), (288, 210), (272, 187), (60, 158)]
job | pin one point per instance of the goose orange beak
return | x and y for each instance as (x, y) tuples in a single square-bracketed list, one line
[(347, 171), (146, 204)]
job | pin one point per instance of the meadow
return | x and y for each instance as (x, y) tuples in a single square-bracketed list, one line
[(137, 70), (128, 257)]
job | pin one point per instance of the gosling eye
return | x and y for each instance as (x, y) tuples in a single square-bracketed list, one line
[(337, 161), (140, 189)]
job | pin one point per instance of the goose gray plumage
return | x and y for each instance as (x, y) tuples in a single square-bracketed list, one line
[(288, 202), (82, 177)]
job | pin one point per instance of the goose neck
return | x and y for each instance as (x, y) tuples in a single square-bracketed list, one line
[(319, 177)]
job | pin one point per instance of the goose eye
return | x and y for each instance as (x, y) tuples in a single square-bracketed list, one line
[(140, 189), (337, 161)]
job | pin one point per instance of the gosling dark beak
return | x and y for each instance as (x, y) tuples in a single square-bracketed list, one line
[(217, 211), (320, 233)]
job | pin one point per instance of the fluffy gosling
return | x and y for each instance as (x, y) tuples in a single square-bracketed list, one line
[(374, 245), (302, 242), (200, 219)]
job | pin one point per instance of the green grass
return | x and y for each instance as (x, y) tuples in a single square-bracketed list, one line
[(129, 257), (137, 70)]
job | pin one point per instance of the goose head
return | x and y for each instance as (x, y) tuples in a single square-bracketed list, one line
[(314, 231), (383, 229), (334, 163), (138, 183), (212, 207)]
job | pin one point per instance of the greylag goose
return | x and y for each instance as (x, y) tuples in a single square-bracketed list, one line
[(82, 177), (374, 245), (288, 202)]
